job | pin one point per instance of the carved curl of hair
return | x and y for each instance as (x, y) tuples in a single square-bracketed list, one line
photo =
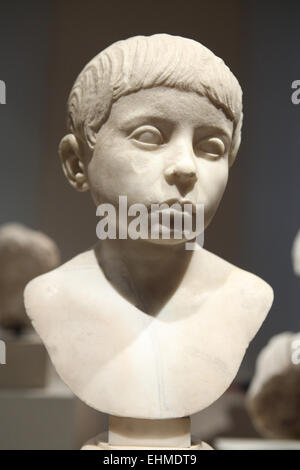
[(143, 62)]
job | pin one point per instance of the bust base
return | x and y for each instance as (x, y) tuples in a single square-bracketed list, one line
[(26, 361), (99, 443)]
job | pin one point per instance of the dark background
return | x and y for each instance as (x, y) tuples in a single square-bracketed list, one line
[(43, 46)]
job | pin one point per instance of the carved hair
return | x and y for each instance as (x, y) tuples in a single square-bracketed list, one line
[(144, 62)]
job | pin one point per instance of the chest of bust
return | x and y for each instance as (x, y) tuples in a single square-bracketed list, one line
[(125, 362)]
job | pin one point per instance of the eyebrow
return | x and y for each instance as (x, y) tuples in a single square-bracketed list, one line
[(211, 130), (158, 118), (161, 119)]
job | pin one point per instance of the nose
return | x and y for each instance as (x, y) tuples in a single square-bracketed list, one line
[(182, 173)]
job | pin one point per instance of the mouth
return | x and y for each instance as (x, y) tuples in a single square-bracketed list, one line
[(174, 218), (183, 206), (177, 213)]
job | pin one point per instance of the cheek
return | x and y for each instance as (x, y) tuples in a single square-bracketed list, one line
[(221, 179), (213, 183), (118, 169), (215, 176), (143, 164), (104, 174)]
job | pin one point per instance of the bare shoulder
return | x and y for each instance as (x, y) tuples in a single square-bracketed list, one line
[(47, 288), (250, 286), (248, 297), (252, 295), (253, 289)]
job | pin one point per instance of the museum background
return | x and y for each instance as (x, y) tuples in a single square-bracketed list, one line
[(43, 45)]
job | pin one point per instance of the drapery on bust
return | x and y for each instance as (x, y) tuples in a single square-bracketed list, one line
[(145, 328)]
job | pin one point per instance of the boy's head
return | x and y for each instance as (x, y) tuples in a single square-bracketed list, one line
[(155, 74), (149, 61)]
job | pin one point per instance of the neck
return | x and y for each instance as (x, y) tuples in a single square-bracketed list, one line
[(146, 273)]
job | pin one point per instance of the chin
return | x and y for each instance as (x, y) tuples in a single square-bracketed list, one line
[(167, 242)]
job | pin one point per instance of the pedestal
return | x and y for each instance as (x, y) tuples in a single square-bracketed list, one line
[(145, 434), (26, 361), (50, 418)]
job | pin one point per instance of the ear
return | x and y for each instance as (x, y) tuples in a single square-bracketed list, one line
[(71, 159)]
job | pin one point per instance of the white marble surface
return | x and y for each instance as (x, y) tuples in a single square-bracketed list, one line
[(143, 328)]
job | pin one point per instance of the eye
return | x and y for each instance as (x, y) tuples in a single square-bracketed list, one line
[(147, 135), (213, 147)]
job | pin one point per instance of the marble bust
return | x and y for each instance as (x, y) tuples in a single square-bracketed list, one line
[(140, 328)]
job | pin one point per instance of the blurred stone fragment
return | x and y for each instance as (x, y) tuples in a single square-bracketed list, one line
[(24, 254), (273, 398)]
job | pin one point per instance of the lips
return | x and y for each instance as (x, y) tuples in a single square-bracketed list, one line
[(181, 202)]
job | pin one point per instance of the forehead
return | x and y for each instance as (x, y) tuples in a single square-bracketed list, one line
[(168, 104)]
